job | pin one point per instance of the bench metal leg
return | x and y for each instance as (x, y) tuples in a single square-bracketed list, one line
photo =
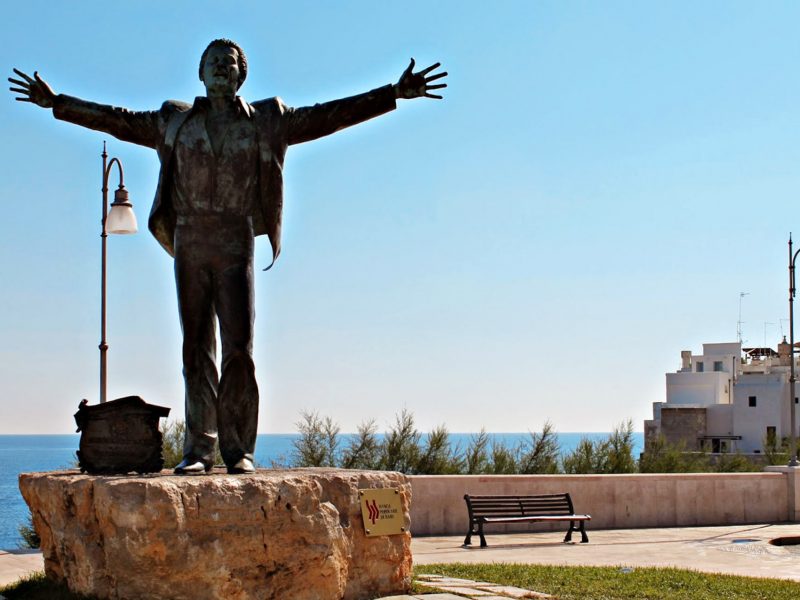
[(584, 537), (468, 539), (568, 537), (581, 529), (474, 529)]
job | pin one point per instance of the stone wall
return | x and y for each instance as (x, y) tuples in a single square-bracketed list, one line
[(683, 425), (614, 501), (793, 483)]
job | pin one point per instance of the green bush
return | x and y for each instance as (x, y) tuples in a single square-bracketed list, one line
[(619, 448), (318, 444), (30, 539), (405, 449), (172, 434), (437, 457), (400, 450), (612, 455), (503, 460), (476, 456), (775, 453), (363, 451), (733, 463), (540, 452), (588, 457), (661, 456)]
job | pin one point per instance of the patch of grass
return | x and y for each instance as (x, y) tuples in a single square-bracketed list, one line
[(38, 587), (610, 583), (566, 583)]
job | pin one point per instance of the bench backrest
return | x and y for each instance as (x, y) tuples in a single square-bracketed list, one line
[(518, 506)]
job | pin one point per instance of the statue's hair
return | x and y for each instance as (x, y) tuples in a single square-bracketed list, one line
[(226, 43)]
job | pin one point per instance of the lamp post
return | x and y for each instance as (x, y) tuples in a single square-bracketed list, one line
[(120, 220), (792, 440)]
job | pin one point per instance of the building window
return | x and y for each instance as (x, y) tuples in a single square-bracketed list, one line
[(699, 364), (751, 400), (795, 399), (718, 365)]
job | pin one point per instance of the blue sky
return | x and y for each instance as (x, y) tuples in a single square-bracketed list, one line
[(599, 184)]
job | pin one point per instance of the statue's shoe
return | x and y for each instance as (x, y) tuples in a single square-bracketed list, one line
[(189, 466), (245, 465)]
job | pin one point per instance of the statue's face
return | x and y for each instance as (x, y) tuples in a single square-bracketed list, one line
[(221, 71)]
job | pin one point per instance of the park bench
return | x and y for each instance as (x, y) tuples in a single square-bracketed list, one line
[(520, 509)]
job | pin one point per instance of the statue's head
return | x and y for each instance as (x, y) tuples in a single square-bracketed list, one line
[(223, 65)]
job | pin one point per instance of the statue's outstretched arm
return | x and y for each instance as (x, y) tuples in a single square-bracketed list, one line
[(32, 89), (311, 122), (143, 128)]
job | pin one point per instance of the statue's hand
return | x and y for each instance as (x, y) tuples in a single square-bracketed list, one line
[(34, 90), (416, 85)]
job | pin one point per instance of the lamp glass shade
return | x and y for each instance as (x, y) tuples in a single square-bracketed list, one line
[(121, 219)]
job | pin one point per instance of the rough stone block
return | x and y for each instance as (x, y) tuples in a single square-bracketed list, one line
[(276, 534)]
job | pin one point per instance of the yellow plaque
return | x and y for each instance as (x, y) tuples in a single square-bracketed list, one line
[(382, 511)]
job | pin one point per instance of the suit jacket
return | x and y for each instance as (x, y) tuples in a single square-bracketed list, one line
[(277, 126)]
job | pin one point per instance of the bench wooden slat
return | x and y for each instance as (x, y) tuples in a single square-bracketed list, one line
[(541, 518), (518, 496), (519, 503)]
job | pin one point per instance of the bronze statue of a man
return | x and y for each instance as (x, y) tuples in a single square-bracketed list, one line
[(221, 185)]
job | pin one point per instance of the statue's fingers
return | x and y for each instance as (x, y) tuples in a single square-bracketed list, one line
[(429, 69), (427, 95), (23, 75), (437, 76), (24, 99), (410, 67), (17, 82), (18, 90)]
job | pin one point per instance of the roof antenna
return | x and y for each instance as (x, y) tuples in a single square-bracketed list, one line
[(739, 322)]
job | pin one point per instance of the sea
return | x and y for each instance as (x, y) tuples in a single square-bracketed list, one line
[(30, 453)]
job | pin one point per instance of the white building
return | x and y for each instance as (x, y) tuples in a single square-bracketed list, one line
[(726, 399)]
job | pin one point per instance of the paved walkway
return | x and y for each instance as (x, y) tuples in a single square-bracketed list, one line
[(18, 563), (461, 588), (737, 550)]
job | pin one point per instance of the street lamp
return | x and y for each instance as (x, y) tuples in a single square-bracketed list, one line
[(120, 220), (792, 441)]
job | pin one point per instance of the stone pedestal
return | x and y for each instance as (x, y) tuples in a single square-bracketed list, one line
[(278, 534)]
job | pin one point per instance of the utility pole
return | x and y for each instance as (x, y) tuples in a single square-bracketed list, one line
[(793, 462)]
